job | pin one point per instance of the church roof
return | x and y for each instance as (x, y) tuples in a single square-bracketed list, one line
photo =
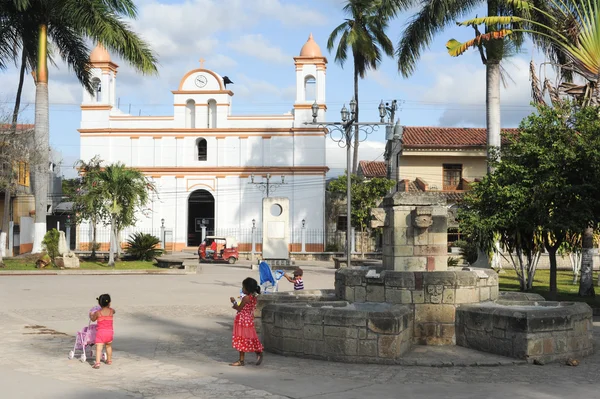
[(373, 168), (100, 54), (446, 137), (311, 48)]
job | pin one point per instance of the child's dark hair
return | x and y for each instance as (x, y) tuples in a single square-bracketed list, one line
[(251, 286), (298, 272), (104, 300)]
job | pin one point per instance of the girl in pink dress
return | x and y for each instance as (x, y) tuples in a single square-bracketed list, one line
[(244, 333), (104, 331)]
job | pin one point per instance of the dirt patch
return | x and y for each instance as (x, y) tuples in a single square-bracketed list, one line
[(42, 330)]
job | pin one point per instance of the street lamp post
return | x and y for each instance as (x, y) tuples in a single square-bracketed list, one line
[(267, 187), (342, 133)]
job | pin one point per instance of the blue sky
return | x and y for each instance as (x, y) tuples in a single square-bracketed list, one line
[(253, 43)]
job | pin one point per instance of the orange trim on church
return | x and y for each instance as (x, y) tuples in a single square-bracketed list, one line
[(98, 107), (309, 106), (203, 92), (201, 70), (231, 170)]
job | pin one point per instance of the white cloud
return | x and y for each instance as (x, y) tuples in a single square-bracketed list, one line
[(257, 46), (263, 91), (336, 156), (288, 13), (459, 89)]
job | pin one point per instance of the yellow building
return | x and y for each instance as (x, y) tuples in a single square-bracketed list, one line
[(442, 159), (22, 199)]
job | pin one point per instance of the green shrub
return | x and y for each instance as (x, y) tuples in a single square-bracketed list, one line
[(50, 243), (141, 246), (468, 250), (332, 248), (452, 261)]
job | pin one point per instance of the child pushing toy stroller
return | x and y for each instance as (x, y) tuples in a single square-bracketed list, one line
[(85, 339)]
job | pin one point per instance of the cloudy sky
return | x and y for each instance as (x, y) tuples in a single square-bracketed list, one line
[(254, 42)]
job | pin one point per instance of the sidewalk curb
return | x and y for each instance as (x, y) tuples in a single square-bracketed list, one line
[(168, 272)]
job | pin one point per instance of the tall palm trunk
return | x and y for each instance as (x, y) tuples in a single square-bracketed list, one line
[(492, 103), (356, 128), (495, 49), (7, 190), (41, 134), (113, 241), (586, 284), (17, 109)]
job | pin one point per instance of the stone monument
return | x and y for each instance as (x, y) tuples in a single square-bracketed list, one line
[(415, 232), (377, 316), (67, 259)]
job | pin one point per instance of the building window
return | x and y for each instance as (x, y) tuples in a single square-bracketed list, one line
[(341, 223), (452, 176), (453, 236), (23, 174), (190, 114), (97, 89), (211, 121), (310, 88), (202, 150)]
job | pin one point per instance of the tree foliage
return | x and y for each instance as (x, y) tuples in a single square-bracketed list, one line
[(543, 190), (112, 195), (87, 203), (365, 195), (363, 33), (123, 192), (50, 244), (143, 246)]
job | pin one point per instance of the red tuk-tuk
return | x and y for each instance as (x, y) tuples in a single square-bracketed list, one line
[(218, 249)]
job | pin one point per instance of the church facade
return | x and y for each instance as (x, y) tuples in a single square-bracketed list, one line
[(212, 167)]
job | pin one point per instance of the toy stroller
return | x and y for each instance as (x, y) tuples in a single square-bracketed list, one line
[(85, 340), (268, 279)]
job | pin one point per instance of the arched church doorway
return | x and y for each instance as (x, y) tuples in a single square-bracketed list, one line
[(201, 211)]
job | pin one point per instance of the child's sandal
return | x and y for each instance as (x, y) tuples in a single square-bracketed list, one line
[(108, 362), (96, 365), (238, 363), (259, 359)]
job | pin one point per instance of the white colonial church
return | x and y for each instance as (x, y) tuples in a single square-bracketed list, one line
[(204, 158)]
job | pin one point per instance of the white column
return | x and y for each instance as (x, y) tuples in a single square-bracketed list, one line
[(158, 152), (135, 151), (266, 155)]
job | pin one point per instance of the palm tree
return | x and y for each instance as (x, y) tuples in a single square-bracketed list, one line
[(87, 203), (364, 34), (571, 30), (68, 24), (122, 191), (436, 15)]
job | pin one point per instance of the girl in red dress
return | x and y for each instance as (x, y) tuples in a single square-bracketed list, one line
[(104, 331), (244, 333)]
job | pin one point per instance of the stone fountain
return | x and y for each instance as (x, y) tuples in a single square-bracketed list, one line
[(377, 315)]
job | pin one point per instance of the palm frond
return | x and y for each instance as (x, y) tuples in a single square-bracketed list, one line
[(95, 20), (492, 20), (456, 48), (74, 51), (537, 92), (434, 16)]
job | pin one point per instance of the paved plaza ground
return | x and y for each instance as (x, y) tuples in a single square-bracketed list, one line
[(173, 340)]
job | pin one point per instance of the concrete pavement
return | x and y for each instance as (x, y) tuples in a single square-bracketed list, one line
[(173, 340)]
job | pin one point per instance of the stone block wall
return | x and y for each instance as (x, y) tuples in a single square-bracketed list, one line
[(548, 332), (415, 232), (338, 331), (289, 297), (433, 296)]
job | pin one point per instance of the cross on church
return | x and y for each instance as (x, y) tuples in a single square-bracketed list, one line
[(202, 63)]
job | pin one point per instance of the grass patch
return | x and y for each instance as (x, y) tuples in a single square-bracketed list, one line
[(567, 291), (28, 263)]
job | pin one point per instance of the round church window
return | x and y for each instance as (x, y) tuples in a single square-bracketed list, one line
[(276, 210)]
